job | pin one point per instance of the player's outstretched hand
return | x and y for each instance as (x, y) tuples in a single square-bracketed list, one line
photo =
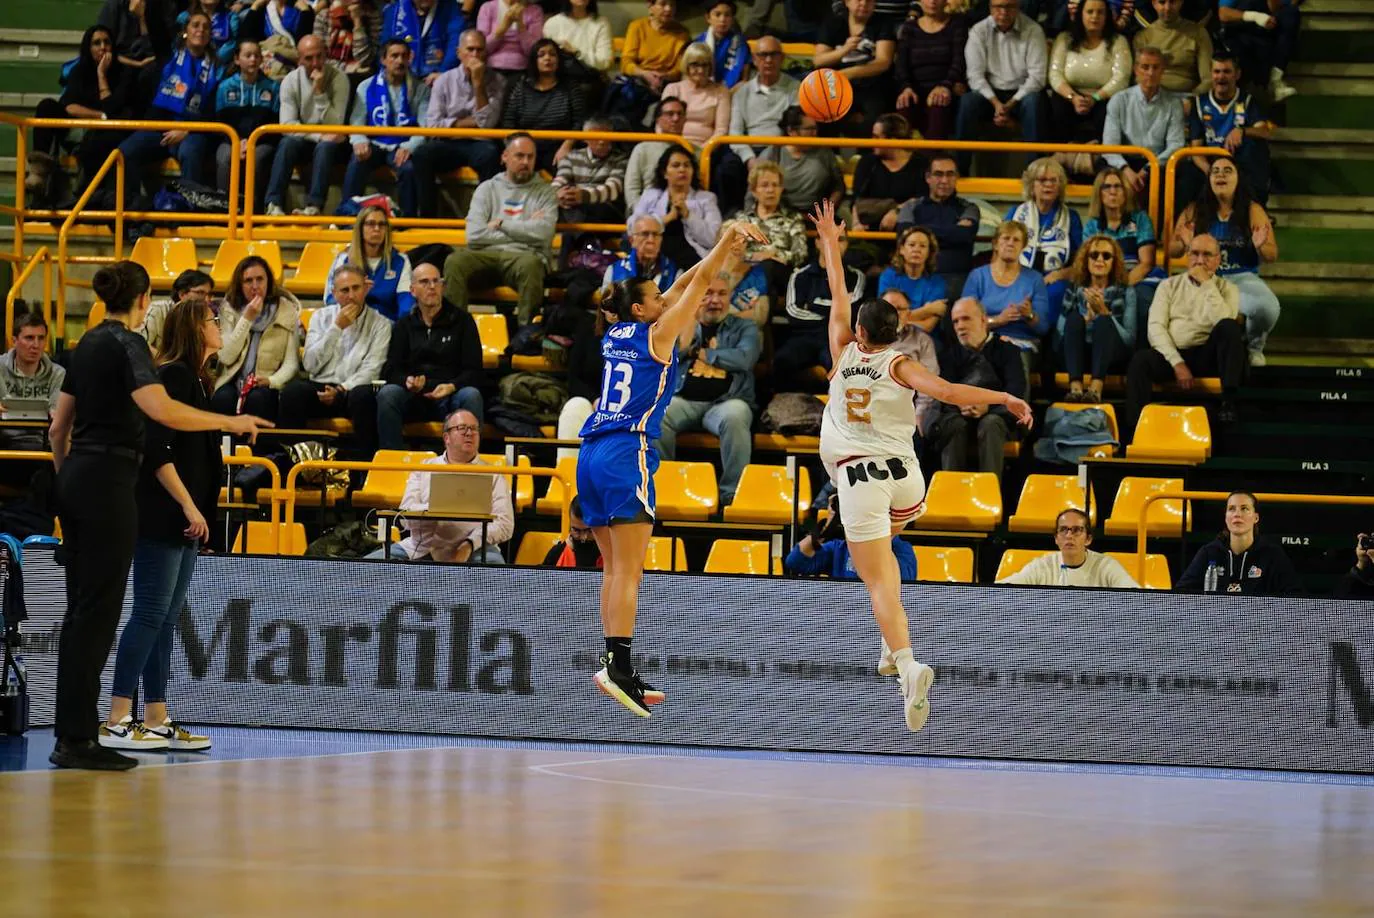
[(1020, 410), (748, 232), (824, 220)]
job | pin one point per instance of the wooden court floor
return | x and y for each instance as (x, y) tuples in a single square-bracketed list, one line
[(539, 832)]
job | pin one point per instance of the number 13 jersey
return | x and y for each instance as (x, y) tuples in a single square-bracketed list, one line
[(636, 385), (870, 412)]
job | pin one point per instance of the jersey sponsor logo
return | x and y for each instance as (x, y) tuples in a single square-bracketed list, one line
[(876, 470), (622, 331)]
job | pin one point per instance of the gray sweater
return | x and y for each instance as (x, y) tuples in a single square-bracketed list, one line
[(46, 383), (527, 212)]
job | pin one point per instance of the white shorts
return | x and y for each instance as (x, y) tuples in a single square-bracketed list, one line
[(878, 494)]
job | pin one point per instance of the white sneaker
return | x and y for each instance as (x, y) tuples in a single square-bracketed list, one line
[(886, 665), (1257, 359), (915, 687), (275, 210), (308, 211), (130, 734), (1278, 87), (178, 738)]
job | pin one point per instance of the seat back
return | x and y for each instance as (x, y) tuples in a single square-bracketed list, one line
[(1166, 516), (312, 270), (1013, 559), (494, 334), (659, 556), (552, 501), (686, 490), (164, 259), (259, 534), (306, 316), (1043, 498), (962, 501), (738, 556), (382, 488), (233, 251), (764, 495), (1172, 432), (943, 565), (534, 546), (1157, 576)]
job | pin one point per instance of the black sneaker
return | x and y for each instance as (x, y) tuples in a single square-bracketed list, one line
[(628, 689), (89, 755)]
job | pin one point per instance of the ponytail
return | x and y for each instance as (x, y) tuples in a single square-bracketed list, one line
[(120, 286)]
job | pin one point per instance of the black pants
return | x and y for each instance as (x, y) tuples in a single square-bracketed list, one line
[(800, 350), (261, 402), (1106, 351), (1067, 126), (952, 435), (1223, 354), (99, 515), (300, 402)]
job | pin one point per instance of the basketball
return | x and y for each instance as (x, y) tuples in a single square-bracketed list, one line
[(825, 95)]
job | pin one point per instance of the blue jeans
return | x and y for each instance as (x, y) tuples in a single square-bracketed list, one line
[(162, 574), (730, 420), (974, 111), (1260, 307), (355, 178), (143, 151), (293, 150), (397, 404)]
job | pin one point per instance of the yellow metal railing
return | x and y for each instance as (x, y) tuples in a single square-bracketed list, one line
[(274, 476), (18, 285), (116, 160)]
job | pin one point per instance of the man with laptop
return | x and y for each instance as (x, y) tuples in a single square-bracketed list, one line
[(482, 498), (29, 384)]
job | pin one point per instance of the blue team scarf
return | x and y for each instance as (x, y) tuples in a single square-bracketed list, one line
[(187, 83), (426, 50), (221, 27), (730, 57), (287, 19), (381, 114)]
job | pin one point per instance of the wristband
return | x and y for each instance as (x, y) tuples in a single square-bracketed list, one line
[(1257, 18)]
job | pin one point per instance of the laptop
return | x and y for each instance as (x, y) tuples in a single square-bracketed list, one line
[(460, 494), (24, 409)]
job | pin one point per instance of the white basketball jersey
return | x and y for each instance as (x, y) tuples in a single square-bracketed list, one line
[(869, 413)]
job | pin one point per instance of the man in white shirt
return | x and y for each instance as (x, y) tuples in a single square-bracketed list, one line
[(756, 109), (1073, 565), (316, 92), (1008, 65)]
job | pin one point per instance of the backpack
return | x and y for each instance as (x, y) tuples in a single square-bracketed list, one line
[(535, 394), (794, 414), (347, 540)]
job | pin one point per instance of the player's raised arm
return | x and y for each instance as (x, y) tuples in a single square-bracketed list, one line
[(912, 374), (680, 314), (828, 241)]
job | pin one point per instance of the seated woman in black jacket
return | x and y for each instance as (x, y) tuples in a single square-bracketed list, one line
[(1240, 561), (99, 87)]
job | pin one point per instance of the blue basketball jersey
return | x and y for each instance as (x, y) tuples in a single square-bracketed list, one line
[(1211, 120), (1238, 254), (635, 388)]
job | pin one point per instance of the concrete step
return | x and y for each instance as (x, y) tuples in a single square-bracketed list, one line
[(1293, 203), (48, 14), (1336, 69), (1338, 8), (1345, 21)]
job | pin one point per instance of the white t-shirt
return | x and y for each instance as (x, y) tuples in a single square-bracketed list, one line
[(1097, 570)]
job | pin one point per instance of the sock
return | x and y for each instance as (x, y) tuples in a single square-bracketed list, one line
[(618, 655), (903, 659)]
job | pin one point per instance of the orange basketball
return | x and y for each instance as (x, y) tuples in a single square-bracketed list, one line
[(825, 95)]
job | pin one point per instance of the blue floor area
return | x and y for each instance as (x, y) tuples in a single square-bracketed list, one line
[(30, 753)]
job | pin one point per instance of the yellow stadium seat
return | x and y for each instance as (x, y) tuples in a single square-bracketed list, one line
[(233, 251), (686, 490), (312, 270), (1107, 408), (1043, 497), (1157, 576), (969, 501), (659, 555), (551, 503), (943, 565), (534, 546), (260, 538), (383, 489), (1013, 559), (495, 337), (765, 495), (164, 259), (523, 490), (1172, 432), (1166, 516), (738, 556)]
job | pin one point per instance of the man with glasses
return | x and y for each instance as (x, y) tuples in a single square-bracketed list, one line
[(953, 220), (190, 284), (434, 364), (669, 118), (646, 256), (1074, 565), (1194, 330), (755, 110), (1008, 65), (579, 549)]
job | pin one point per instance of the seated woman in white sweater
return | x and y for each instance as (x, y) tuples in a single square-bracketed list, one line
[(1073, 565)]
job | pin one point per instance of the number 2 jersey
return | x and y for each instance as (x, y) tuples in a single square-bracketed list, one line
[(636, 386), (870, 412)]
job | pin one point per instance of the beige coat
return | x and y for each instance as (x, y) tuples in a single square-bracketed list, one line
[(278, 351)]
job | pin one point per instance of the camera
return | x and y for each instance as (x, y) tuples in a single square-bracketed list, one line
[(1367, 542)]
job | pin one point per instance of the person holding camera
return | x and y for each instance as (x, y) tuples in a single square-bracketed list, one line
[(1358, 582), (825, 552)]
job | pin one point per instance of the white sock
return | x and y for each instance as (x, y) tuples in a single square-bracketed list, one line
[(903, 659)]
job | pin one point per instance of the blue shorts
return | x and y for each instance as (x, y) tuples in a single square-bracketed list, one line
[(615, 478)]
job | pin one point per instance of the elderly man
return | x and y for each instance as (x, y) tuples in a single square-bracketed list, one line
[(1146, 115), (953, 220), (669, 117), (1194, 330), (984, 359), (756, 107), (510, 232), (1186, 46), (1074, 565), (1007, 60), (434, 364), (715, 386), (468, 96), (191, 284), (645, 258), (315, 93), (453, 541), (390, 98), (590, 183)]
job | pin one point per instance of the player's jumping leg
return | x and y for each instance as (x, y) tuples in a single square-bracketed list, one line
[(877, 567), (622, 553)]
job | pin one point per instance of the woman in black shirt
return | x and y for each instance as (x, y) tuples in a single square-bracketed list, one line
[(98, 87), (97, 437), (544, 100)]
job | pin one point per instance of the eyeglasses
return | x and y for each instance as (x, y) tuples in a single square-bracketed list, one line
[(1114, 186), (767, 54), (944, 173), (647, 234), (1101, 256), (1071, 530), (375, 224), (464, 429), (1194, 253)]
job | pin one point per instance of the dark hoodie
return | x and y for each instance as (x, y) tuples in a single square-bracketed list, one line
[(1263, 569), (449, 351)]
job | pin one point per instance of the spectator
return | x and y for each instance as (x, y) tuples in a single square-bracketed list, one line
[(1113, 212), (715, 386), (860, 45), (98, 86), (143, 33), (434, 363), (1227, 117), (27, 372), (387, 271), (1199, 11), (453, 541), (1358, 582), (225, 19), (259, 326), (708, 102), (1012, 296), (541, 100), (725, 41), (511, 29), (430, 29), (590, 183), (786, 231), (585, 36), (756, 108), (910, 282), (1089, 64), (690, 216), (931, 69), (1262, 33), (579, 548), (315, 93), (826, 552), (652, 56), (1144, 116), (1054, 230), (886, 179), (806, 343), (246, 101), (1185, 44), (951, 219), (808, 173), (1245, 562), (278, 24), (190, 284), (1007, 66), (645, 258), (350, 32), (510, 232), (1246, 235), (1194, 330), (186, 92), (984, 359), (1097, 325), (468, 96), (1074, 565), (345, 350), (391, 98), (669, 118)]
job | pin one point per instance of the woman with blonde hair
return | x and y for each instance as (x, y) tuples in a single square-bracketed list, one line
[(911, 284), (389, 270), (1013, 295), (1054, 230), (707, 101), (787, 246), (1112, 211), (1098, 324)]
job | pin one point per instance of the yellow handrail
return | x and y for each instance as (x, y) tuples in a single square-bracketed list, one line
[(250, 178), (1142, 527), (274, 475), (18, 285), (116, 159), (1166, 229)]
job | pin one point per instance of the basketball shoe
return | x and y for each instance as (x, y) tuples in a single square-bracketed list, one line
[(916, 683), (627, 688)]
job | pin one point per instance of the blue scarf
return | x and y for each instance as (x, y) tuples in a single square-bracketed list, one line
[(1052, 240), (187, 84), (730, 55), (628, 267), (381, 114), (221, 27), (426, 49)]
